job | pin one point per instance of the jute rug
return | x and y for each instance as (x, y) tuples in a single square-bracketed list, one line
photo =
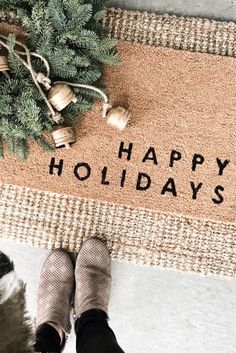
[(163, 191)]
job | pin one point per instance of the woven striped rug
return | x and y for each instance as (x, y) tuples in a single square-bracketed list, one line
[(163, 192)]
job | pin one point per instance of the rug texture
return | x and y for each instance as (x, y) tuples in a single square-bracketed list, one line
[(163, 191)]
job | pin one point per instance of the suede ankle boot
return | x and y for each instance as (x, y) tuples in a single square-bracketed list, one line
[(92, 277)]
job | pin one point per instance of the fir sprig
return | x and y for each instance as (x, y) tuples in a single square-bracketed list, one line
[(70, 35)]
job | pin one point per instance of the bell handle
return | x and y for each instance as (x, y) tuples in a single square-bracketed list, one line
[(36, 55), (29, 66), (67, 146), (6, 74), (106, 104)]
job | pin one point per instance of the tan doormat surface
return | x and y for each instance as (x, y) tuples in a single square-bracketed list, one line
[(163, 191)]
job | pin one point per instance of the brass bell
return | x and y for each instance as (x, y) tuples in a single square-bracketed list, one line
[(118, 117), (61, 95), (63, 136), (4, 64)]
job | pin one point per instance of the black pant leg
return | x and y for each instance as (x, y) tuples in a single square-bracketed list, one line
[(94, 334), (47, 340)]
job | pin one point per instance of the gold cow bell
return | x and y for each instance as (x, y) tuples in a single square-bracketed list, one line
[(61, 95), (4, 64), (118, 117), (63, 136)]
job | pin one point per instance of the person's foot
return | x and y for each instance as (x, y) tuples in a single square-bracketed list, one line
[(92, 277), (55, 291)]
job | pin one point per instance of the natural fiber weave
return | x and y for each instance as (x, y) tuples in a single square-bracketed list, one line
[(50, 220), (187, 33)]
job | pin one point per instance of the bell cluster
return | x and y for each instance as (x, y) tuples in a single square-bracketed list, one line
[(10, 17), (59, 95)]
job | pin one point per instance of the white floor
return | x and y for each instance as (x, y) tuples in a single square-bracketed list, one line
[(153, 310), (216, 9)]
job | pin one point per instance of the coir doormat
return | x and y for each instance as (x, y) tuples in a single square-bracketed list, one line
[(163, 191)]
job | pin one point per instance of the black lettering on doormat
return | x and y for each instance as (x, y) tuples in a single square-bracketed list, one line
[(220, 197), (79, 168), (222, 165), (169, 187), (123, 177), (150, 155), (197, 159), (104, 180), (175, 156), (195, 189), (123, 150), (143, 181), (56, 167)]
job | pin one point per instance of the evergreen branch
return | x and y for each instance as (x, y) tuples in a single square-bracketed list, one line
[(57, 15), (71, 36), (11, 143), (71, 6), (87, 39), (83, 61), (89, 76), (22, 149), (41, 140), (1, 147), (98, 16), (99, 5), (80, 16)]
